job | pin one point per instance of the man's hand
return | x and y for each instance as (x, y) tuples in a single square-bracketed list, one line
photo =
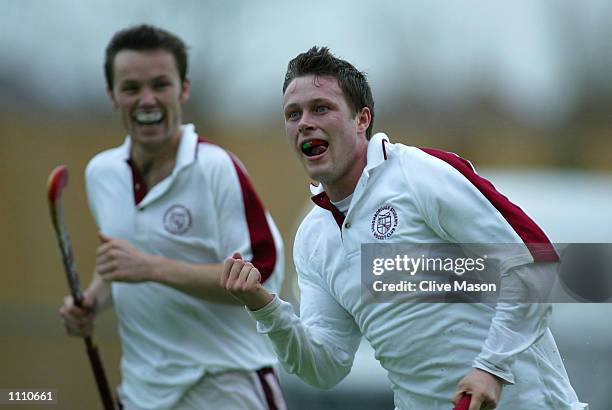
[(78, 321), (117, 260), (484, 387), (243, 281)]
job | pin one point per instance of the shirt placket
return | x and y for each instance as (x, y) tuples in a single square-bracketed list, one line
[(350, 237), (141, 222)]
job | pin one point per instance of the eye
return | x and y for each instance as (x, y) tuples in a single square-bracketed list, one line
[(160, 85), (129, 89), (321, 109), (292, 115)]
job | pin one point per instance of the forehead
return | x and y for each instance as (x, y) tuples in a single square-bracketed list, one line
[(311, 87), (135, 64)]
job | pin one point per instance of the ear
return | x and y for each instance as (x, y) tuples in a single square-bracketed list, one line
[(185, 91), (111, 97), (364, 118)]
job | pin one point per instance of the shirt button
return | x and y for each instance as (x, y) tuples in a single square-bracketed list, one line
[(347, 225)]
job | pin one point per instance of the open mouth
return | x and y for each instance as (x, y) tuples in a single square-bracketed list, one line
[(315, 147), (147, 118)]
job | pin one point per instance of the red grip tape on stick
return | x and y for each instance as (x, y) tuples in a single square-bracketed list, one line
[(464, 403)]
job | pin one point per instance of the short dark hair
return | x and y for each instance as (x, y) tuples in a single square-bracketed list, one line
[(145, 37), (353, 83)]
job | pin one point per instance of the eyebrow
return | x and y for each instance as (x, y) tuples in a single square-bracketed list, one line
[(317, 100), (322, 100), (133, 81)]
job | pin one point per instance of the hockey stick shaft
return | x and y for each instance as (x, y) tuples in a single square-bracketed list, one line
[(101, 381), (55, 185)]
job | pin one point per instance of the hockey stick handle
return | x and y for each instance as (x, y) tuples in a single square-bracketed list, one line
[(96, 362), (101, 380), (464, 403)]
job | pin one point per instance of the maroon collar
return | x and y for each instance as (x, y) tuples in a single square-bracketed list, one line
[(138, 183), (324, 202)]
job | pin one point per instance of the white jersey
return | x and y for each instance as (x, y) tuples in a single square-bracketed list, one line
[(426, 348), (201, 213)]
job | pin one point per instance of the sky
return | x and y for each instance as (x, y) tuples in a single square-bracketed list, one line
[(528, 54)]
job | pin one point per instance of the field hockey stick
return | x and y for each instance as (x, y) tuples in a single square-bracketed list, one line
[(58, 180), (464, 403)]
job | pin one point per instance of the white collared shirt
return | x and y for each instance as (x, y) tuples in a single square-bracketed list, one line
[(432, 197), (205, 210)]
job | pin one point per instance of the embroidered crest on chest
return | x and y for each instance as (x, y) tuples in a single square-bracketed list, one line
[(384, 222), (177, 219)]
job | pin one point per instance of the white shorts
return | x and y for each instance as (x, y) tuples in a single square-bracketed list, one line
[(235, 390)]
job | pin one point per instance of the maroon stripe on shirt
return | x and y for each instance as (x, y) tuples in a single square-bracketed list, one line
[(138, 183), (534, 238), (261, 373), (262, 241)]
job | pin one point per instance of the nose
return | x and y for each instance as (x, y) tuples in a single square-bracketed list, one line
[(147, 97), (305, 124)]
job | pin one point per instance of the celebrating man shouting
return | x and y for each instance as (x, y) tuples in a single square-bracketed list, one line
[(433, 352)]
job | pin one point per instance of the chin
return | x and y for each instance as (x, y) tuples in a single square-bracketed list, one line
[(321, 176), (157, 134), (314, 173), (151, 141)]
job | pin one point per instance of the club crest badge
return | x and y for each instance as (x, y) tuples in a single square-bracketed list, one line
[(384, 222), (177, 219)]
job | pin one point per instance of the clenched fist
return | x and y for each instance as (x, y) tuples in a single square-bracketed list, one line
[(243, 281), (484, 388)]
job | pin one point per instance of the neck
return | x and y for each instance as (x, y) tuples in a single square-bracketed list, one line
[(345, 185), (156, 163)]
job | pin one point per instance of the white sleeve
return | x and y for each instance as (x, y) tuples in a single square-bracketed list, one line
[(90, 191), (246, 225), (320, 347), (465, 211), (516, 325)]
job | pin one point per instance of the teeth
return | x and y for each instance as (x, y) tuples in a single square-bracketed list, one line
[(148, 117)]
